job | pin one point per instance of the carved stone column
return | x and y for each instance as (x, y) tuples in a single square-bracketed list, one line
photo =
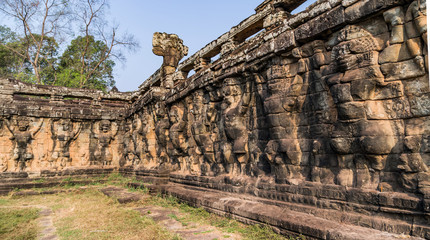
[(172, 49)]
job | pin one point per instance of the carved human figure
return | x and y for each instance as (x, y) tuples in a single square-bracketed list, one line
[(235, 106), (280, 94), (22, 135), (200, 128), (63, 134), (409, 31), (130, 156), (177, 134), (104, 135), (136, 140), (358, 79), (3, 159), (147, 146), (162, 126)]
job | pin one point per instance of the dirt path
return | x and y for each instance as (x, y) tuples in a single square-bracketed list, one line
[(46, 224), (171, 219)]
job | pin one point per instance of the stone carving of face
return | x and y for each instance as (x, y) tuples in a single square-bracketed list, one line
[(23, 124), (230, 92), (173, 116), (197, 104), (105, 126), (66, 125)]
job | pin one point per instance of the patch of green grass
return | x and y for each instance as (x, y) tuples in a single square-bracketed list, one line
[(177, 237), (40, 180), (140, 189), (18, 224), (182, 220), (228, 225), (4, 201), (208, 231), (67, 179)]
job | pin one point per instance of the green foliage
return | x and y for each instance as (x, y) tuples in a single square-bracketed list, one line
[(86, 62), (18, 223)]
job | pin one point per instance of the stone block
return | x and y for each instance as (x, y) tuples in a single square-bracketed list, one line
[(345, 178), (404, 70), (284, 41), (416, 86), (324, 22), (420, 105), (367, 73), (351, 110), (341, 93), (342, 146), (396, 53), (397, 108), (390, 90), (368, 7), (375, 110)]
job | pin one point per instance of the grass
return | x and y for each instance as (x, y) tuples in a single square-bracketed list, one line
[(88, 214), (18, 223), (85, 213), (227, 225)]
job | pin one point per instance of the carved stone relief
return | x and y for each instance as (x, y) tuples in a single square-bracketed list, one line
[(104, 132), (63, 133)]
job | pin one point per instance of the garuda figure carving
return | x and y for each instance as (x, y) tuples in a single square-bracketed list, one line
[(104, 133), (63, 133), (22, 136), (235, 106)]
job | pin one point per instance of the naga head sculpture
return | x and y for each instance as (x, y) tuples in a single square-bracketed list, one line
[(171, 48)]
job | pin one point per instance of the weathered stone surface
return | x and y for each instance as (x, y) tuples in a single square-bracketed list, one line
[(404, 70), (328, 108), (328, 20), (367, 7)]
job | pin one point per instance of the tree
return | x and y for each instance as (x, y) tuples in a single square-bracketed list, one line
[(41, 22), (88, 60), (96, 72), (90, 15), (9, 62)]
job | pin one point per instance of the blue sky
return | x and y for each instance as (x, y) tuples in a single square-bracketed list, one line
[(197, 22)]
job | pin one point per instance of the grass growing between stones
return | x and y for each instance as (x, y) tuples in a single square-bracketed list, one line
[(16, 224), (191, 215)]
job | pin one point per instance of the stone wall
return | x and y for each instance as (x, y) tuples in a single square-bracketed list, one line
[(52, 128), (338, 94), (328, 107)]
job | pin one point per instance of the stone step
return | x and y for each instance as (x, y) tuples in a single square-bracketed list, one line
[(121, 195), (257, 210)]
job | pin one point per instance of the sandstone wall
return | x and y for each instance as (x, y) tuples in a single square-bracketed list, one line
[(53, 128), (338, 94)]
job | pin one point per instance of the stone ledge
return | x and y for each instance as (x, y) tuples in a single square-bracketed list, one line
[(251, 209)]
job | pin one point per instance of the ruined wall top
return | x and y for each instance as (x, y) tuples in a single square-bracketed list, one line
[(19, 98)]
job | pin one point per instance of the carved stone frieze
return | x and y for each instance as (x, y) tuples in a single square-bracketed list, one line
[(337, 94)]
